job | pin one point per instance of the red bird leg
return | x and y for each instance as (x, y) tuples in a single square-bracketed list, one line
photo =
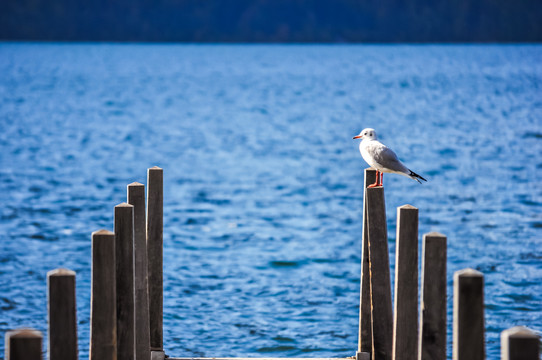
[(377, 183), (381, 179)]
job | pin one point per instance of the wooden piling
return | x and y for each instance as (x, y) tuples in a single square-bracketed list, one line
[(432, 328), (155, 201), (136, 197), (379, 269), (62, 315), (124, 264), (405, 324), (365, 334), (103, 303), (23, 344), (520, 343), (468, 324)]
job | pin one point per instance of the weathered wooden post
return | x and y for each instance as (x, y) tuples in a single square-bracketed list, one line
[(103, 303), (136, 197), (468, 315), (379, 269), (520, 343), (62, 315), (23, 344), (432, 332), (405, 324), (365, 334), (124, 264), (155, 204)]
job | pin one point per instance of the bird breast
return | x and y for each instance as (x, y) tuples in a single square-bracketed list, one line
[(367, 153)]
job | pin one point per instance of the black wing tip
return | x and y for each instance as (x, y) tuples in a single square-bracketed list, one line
[(417, 177)]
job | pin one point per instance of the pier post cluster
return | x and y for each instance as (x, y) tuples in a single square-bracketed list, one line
[(126, 298), (127, 292), (127, 302), (399, 334)]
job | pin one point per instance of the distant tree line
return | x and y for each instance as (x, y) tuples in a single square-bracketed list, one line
[(273, 20)]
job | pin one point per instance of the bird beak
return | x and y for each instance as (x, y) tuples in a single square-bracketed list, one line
[(357, 137)]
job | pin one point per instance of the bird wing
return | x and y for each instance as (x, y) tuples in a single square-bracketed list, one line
[(387, 158)]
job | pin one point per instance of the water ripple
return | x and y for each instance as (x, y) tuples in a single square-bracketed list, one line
[(262, 180)]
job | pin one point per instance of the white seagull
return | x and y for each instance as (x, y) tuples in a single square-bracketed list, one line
[(382, 158)]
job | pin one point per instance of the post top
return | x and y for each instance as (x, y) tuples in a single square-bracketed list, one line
[(468, 272), (519, 331), (103, 232), (155, 168), (61, 272), (122, 205), (24, 333), (408, 207), (135, 183), (434, 234)]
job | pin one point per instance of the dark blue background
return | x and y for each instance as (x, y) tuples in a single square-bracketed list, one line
[(273, 20)]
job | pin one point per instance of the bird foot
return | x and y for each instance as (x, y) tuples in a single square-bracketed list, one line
[(379, 178)]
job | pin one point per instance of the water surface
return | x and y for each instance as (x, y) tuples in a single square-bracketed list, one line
[(263, 180)]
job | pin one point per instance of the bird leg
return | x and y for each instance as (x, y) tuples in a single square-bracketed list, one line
[(378, 182)]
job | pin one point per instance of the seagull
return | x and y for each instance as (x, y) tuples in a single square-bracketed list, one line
[(382, 158)]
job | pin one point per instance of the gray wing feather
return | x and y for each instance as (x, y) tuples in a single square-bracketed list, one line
[(388, 159)]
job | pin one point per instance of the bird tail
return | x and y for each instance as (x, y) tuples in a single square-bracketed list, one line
[(415, 176)]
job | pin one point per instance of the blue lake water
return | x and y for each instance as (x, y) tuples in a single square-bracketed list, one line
[(263, 182)]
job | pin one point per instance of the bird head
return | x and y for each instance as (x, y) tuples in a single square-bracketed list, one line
[(367, 133)]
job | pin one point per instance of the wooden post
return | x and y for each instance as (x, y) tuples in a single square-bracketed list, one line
[(432, 333), (62, 315), (379, 269), (124, 264), (468, 315), (365, 334), (520, 343), (136, 197), (405, 324), (103, 303), (155, 201), (23, 344)]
